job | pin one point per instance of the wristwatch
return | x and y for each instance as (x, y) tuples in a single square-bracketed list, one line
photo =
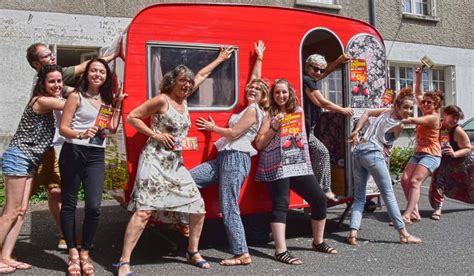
[(79, 135)]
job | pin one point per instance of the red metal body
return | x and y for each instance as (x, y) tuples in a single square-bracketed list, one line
[(282, 30)]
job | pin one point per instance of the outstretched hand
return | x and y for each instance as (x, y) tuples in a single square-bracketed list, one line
[(204, 124), (226, 52), (259, 49)]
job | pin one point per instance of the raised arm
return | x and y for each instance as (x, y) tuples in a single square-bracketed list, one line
[(257, 67), (343, 58), (224, 54), (418, 86), (81, 68)]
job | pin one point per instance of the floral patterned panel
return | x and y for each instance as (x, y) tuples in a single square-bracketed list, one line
[(373, 51)]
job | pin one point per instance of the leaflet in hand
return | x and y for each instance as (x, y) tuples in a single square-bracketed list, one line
[(102, 121), (185, 143)]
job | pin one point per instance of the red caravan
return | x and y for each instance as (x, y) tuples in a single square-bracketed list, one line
[(169, 34)]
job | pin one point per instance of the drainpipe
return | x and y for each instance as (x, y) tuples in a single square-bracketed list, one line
[(372, 15)]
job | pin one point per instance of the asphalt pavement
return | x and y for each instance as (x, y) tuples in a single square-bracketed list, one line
[(447, 248)]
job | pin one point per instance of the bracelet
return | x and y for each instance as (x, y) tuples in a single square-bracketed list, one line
[(261, 59), (79, 135)]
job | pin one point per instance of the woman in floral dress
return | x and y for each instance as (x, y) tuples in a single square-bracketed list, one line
[(163, 186)]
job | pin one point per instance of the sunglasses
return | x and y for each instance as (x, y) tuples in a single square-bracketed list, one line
[(318, 70), (426, 102)]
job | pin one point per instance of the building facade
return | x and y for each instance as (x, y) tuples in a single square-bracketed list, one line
[(76, 30)]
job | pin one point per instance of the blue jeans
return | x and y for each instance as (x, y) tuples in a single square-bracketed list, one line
[(229, 170), (368, 159)]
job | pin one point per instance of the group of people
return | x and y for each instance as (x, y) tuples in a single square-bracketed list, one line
[(166, 190), (59, 113)]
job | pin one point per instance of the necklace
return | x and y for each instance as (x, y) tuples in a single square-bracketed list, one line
[(95, 97)]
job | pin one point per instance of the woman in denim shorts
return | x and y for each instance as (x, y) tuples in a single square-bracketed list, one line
[(20, 160), (427, 156)]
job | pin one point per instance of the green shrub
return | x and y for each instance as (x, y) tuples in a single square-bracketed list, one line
[(399, 159)]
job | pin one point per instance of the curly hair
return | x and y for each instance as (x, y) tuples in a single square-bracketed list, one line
[(265, 100), (31, 54), (403, 95), (436, 96), (170, 78), (40, 86), (292, 102), (105, 90), (454, 110)]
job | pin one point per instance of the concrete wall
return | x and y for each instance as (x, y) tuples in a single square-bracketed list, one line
[(453, 28), (22, 28)]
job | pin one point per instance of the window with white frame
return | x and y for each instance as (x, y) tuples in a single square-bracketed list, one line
[(217, 92), (402, 76), (419, 7), (332, 87)]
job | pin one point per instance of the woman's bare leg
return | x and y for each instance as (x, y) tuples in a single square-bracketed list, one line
[(134, 230)]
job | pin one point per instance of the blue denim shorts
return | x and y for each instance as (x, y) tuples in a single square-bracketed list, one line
[(427, 160), (15, 163)]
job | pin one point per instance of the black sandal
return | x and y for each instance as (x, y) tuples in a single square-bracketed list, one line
[(119, 264), (287, 258), (200, 264), (324, 248)]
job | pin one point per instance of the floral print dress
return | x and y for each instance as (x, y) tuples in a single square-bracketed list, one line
[(163, 184)]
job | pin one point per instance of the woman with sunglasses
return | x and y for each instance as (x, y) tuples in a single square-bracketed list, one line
[(316, 69), (427, 156)]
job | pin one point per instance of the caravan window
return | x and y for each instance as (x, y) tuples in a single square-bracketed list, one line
[(218, 92)]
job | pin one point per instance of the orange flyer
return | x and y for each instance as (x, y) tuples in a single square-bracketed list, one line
[(104, 116), (358, 71), (292, 124)]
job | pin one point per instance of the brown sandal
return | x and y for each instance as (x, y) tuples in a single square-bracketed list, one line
[(87, 267), (237, 260), (409, 239), (74, 267), (352, 240)]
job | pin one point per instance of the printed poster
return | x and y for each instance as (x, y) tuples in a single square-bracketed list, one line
[(358, 79), (292, 143), (102, 121)]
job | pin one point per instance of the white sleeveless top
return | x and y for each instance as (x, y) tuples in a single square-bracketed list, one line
[(84, 118), (244, 142), (377, 132)]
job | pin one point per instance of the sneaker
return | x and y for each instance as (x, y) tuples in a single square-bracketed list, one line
[(62, 244)]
